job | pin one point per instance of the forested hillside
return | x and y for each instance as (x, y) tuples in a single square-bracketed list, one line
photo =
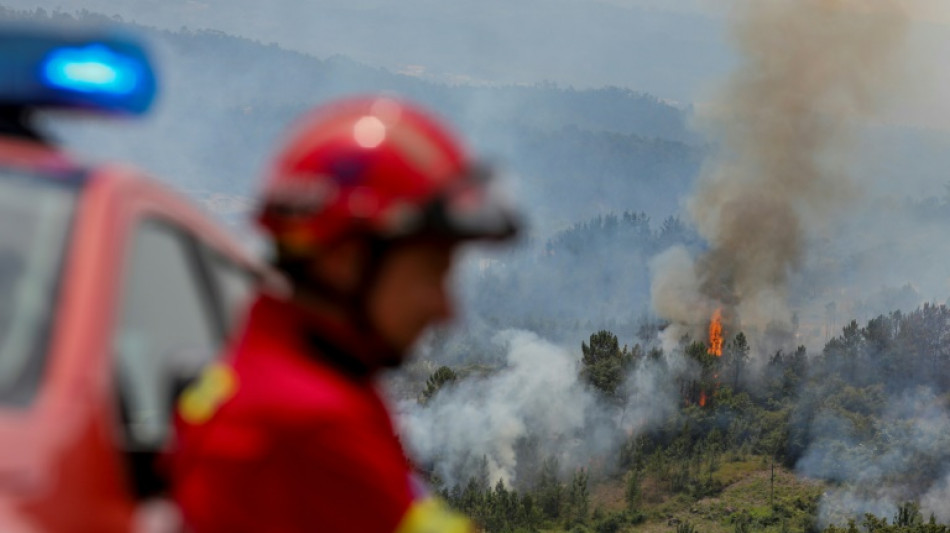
[(863, 425)]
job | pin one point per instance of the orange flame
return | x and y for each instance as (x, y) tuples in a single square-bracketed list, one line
[(702, 399), (715, 334)]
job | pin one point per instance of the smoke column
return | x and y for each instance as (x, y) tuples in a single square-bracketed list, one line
[(783, 124)]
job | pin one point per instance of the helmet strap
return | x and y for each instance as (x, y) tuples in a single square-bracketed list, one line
[(376, 251), (352, 302)]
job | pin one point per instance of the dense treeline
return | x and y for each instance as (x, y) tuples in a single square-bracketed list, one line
[(908, 519)]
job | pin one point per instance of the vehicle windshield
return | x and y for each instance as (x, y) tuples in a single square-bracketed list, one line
[(35, 215)]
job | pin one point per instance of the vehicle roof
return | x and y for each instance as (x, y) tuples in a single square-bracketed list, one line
[(38, 159), (46, 162)]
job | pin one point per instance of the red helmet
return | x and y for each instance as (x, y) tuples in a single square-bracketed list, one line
[(378, 167)]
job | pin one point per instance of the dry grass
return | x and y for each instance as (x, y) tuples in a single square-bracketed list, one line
[(745, 496)]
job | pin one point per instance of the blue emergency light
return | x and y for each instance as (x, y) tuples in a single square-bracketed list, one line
[(99, 71), (92, 69)]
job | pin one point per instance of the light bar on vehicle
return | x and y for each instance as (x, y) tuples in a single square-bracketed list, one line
[(91, 69), (100, 71)]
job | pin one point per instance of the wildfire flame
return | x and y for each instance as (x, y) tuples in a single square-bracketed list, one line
[(715, 334)]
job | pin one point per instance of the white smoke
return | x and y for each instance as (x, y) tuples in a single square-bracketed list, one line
[(911, 443), (937, 500), (535, 398)]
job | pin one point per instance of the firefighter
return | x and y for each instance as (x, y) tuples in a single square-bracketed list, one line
[(366, 205)]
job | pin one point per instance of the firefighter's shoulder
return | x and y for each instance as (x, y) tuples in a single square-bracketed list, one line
[(431, 515), (276, 387), (217, 384)]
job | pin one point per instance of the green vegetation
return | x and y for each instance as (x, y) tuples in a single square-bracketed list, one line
[(440, 378), (908, 519), (605, 365)]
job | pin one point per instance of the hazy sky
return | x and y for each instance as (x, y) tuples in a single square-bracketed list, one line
[(675, 49), (928, 10)]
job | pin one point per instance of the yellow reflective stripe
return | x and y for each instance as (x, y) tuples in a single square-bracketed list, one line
[(432, 516), (199, 401)]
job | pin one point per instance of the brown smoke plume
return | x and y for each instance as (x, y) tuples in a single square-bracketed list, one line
[(810, 69)]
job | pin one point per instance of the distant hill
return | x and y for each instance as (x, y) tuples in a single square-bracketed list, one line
[(585, 43), (572, 153)]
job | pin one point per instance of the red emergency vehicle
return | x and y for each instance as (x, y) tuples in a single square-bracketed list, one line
[(114, 291)]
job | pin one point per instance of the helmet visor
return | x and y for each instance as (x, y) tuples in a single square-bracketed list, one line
[(471, 208)]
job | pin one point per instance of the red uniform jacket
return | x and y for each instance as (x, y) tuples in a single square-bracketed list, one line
[(289, 434)]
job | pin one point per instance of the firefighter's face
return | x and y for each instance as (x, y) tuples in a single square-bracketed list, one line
[(411, 292)]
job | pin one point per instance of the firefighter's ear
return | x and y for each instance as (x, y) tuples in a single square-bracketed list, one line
[(341, 266)]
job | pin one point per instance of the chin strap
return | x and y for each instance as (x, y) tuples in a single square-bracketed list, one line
[(376, 252), (354, 303)]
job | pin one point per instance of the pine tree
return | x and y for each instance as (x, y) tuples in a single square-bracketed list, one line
[(440, 378), (605, 364)]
